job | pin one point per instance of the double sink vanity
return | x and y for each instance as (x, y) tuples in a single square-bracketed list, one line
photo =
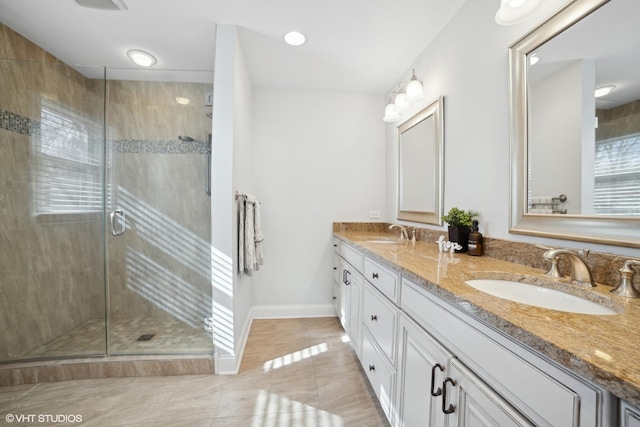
[(452, 339)]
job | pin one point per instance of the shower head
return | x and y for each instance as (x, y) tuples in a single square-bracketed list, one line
[(206, 145), (186, 138)]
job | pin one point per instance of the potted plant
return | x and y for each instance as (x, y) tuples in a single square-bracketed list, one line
[(460, 222)]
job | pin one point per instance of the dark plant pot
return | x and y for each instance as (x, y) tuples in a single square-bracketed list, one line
[(460, 235)]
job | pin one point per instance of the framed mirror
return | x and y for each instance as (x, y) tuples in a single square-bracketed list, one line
[(576, 157), (420, 165)]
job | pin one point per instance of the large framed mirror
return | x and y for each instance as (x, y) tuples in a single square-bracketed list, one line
[(576, 157), (420, 165)]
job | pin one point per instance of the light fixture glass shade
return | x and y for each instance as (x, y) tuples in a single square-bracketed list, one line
[(414, 90), (142, 58), (390, 114), (513, 11), (401, 103)]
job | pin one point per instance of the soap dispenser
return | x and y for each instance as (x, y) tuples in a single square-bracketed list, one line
[(475, 240)]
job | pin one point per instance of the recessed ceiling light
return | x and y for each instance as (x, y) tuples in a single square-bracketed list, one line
[(294, 38), (604, 90), (513, 11), (142, 58), (103, 4), (182, 100)]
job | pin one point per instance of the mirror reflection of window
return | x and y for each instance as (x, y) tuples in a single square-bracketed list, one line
[(68, 173)]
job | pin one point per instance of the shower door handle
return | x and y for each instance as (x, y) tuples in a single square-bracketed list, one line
[(118, 231)]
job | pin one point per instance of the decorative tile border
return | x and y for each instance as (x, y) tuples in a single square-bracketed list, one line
[(28, 127), (19, 124), (144, 146)]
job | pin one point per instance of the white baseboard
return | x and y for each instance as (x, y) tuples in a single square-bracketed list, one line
[(229, 364), (292, 311)]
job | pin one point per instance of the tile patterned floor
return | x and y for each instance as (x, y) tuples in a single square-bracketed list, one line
[(295, 372), (171, 336)]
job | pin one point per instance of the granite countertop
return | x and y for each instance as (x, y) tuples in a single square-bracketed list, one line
[(602, 348)]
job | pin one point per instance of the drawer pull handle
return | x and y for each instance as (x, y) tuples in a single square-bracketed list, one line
[(374, 317), (437, 392), (374, 275), (451, 408), (372, 368)]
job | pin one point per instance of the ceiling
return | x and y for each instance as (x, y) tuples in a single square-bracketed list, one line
[(353, 45)]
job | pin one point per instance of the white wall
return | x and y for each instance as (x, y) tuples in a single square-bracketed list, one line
[(468, 64), (318, 157), (231, 168)]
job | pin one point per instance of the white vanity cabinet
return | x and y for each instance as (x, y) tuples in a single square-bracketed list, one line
[(379, 344), (423, 364), (522, 386), (350, 295), (436, 389), (471, 402), (335, 285), (629, 416)]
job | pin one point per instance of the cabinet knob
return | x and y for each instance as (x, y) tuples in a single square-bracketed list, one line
[(450, 409), (335, 245), (335, 268), (437, 392), (374, 275), (335, 297), (372, 368), (374, 317)]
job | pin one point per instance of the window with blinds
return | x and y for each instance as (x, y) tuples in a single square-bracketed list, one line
[(617, 176), (68, 177)]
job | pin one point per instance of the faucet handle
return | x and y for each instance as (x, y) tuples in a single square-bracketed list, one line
[(626, 288)]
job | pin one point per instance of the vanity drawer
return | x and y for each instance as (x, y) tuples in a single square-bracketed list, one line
[(380, 317), (384, 279), (351, 255), (380, 374)]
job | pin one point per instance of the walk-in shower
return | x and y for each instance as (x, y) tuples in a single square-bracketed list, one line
[(76, 150), (207, 147)]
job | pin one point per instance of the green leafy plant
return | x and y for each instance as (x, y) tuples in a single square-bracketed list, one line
[(459, 218)]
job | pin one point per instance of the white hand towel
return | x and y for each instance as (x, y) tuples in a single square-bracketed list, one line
[(250, 237)]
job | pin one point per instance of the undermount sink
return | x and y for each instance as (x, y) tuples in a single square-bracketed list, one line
[(382, 240), (539, 296)]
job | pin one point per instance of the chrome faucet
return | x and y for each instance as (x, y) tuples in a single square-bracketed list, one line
[(625, 288), (580, 271), (403, 231)]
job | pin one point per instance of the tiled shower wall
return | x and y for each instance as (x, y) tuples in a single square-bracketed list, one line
[(160, 266), (51, 266)]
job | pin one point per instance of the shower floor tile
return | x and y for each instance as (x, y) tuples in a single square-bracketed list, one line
[(170, 336)]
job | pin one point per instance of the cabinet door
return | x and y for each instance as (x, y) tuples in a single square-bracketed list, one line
[(350, 297), (629, 416), (422, 367), (345, 279), (355, 302), (470, 402)]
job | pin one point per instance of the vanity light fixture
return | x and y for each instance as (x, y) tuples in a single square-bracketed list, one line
[(400, 101), (604, 90), (294, 38), (414, 88), (513, 11), (390, 113), (142, 58)]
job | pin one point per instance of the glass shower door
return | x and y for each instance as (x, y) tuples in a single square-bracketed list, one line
[(52, 268), (159, 253)]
